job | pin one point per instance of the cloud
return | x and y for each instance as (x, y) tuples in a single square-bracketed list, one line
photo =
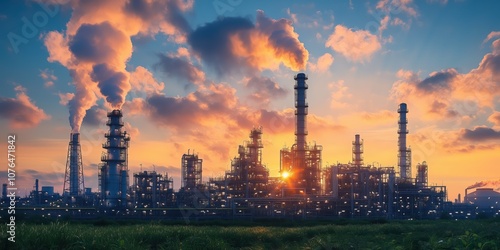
[(96, 45), (95, 117), (131, 130), (100, 43), (462, 140), (340, 93), (490, 183), (204, 107), (64, 98), (495, 118), (162, 16), (438, 81), (357, 46), (491, 35), (398, 6), (181, 69), (48, 77), (450, 94), (235, 44), (21, 112), (113, 84), (264, 89), (382, 116), (142, 80), (293, 16), (479, 134), (323, 64)]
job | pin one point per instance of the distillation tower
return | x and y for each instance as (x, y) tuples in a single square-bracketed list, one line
[(357, 151), (302, 162), (73, 177), (404, 152), (192, 168), (113, 172)]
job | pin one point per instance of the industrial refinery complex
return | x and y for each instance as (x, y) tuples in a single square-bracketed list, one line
[(305, 188)]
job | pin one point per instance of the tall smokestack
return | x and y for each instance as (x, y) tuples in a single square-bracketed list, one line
[(301, 128), (301, 111), (404, 153), (357, 151), (113, 174), (73, 179)]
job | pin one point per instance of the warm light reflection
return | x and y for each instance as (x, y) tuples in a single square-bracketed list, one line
[(285, 175)]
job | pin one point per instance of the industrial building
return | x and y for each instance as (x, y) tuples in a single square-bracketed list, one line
[(152, 190), (113, 171), (247, 178), (304, 189), (191, 170), (301, 162)]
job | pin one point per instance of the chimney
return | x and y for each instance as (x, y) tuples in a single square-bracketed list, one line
[(404, 153)]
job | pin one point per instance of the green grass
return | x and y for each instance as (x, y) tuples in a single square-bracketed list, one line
[(443, 234)]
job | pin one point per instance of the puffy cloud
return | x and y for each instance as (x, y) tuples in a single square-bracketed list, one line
[(491, 35), (204, 107), (113, 84), (48, 77), (142, 80), (264, 89), (479, 134), (181, 69), (21, 112), (495, 118), (357, 46), (64, 98), (438, 81), (426, 95), (340, 93), (323, 64), (450, 94), (100, 43), (96, 45), (95, 117), (162, 16), (235, 43)]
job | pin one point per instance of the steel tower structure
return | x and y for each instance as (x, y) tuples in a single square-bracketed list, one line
[(404, 152), (73, 178), (113, 174)]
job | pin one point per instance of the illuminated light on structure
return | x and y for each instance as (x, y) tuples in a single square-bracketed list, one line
[(113, 171)]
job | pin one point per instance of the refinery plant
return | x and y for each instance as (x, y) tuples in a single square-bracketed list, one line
[(304, 189)]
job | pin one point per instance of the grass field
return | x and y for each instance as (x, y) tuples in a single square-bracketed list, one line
[(342, 234)]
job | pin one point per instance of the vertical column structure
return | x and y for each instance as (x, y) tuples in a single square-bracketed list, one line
[(422, 175), (357, 151), (404, 153), (255, 146), (301, 129), (73, 178), (114, 167), (191, 171)]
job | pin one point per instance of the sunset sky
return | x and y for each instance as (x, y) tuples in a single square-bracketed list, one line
[(200, 75)]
